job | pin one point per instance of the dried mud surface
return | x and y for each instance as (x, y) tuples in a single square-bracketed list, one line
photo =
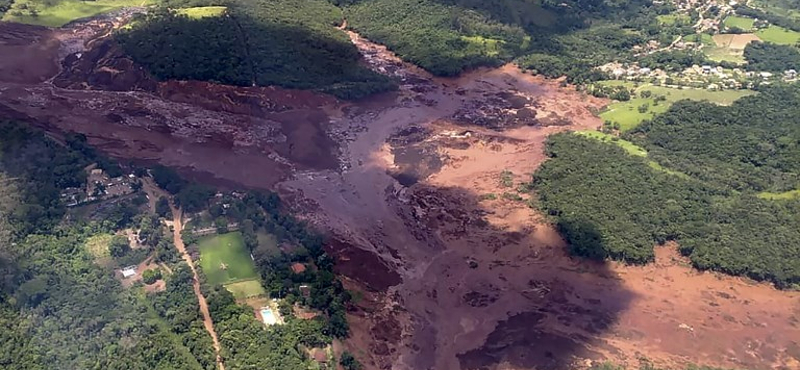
[(448, 278)]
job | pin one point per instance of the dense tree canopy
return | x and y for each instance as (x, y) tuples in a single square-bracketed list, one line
[(288, 43), (765, 56), (610, 204)]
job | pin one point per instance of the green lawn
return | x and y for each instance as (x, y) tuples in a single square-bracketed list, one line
[(64, 11), (203, 11), (779, 35), (628, 116), (739, 22), (225, 259), (246, 289)]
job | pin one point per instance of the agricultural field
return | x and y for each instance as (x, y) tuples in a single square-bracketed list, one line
[(628, 116), (59, 13), (779, 35), (739, 22), (225, 259), (729, 47)]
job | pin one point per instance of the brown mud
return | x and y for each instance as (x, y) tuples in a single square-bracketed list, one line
[(454, 270)]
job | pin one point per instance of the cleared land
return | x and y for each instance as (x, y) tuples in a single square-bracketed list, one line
[(246, 289), (779, 35), (225, 259), (203, 11), (97, 245), (670, 19), (63, 12), (739, 22), (729, 47), (628, 116), (793, 194)]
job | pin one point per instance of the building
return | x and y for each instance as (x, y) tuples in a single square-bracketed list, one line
[(790, 74), (128, 272)]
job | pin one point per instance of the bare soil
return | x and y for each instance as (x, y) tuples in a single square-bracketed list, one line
[(447, 277)]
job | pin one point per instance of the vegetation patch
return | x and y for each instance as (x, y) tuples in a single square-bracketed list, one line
[(779, 35), (56, 13), (786, 195), (246, 289), (97, 245), (203, 11), (742, 23), (225, 259), (629, 114), (287, 43)]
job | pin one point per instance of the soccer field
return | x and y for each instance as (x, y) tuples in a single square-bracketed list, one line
[(225, 259)]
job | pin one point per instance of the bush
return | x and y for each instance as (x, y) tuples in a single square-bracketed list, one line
[(150, 276)]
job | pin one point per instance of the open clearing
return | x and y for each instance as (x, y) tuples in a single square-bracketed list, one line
[(64, 11), (779, 35), (792, 194), (628, 116), (97, 245), (203, 11), (246, 289), (225, 259), (739, 22), (729, 47), (671, 19)]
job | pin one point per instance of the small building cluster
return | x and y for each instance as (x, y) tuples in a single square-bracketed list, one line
[(99, 186)]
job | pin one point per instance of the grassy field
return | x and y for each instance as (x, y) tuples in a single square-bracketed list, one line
[(794, 194), (630, 148), (64, 11), (225, 259), (779, 35), (628, 116), (739, 22), (203, 11), (670, 19), (246, 289)]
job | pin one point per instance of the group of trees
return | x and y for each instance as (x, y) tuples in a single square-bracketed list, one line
[(607, 203), (765, 56), (551, 38), (292, 44)]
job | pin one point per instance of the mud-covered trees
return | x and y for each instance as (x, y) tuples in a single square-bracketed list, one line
[(607, 203)]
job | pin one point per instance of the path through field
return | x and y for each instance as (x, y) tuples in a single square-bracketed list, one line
[(177, 225)]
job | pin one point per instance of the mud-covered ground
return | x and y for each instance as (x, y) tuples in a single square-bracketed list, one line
[(419, 191)]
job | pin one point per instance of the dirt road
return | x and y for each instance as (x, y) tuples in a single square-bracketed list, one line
[(177, 225)]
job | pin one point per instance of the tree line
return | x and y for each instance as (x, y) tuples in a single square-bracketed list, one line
[(607, 203)]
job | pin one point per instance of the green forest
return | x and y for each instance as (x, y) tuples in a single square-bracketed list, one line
[(288, 43), (550, 38), (608, 203)]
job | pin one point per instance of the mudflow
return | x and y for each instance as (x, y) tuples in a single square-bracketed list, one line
[(449, 276)]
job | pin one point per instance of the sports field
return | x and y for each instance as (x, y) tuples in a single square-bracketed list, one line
[(225, 259), (63, 11), (628, 116)]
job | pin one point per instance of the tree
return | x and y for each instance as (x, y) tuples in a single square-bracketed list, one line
[(162, 207), (349, 362), (150, 276), (221, 223), (119, 246)]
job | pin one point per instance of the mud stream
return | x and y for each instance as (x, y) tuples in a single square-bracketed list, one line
[(454, 269)]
